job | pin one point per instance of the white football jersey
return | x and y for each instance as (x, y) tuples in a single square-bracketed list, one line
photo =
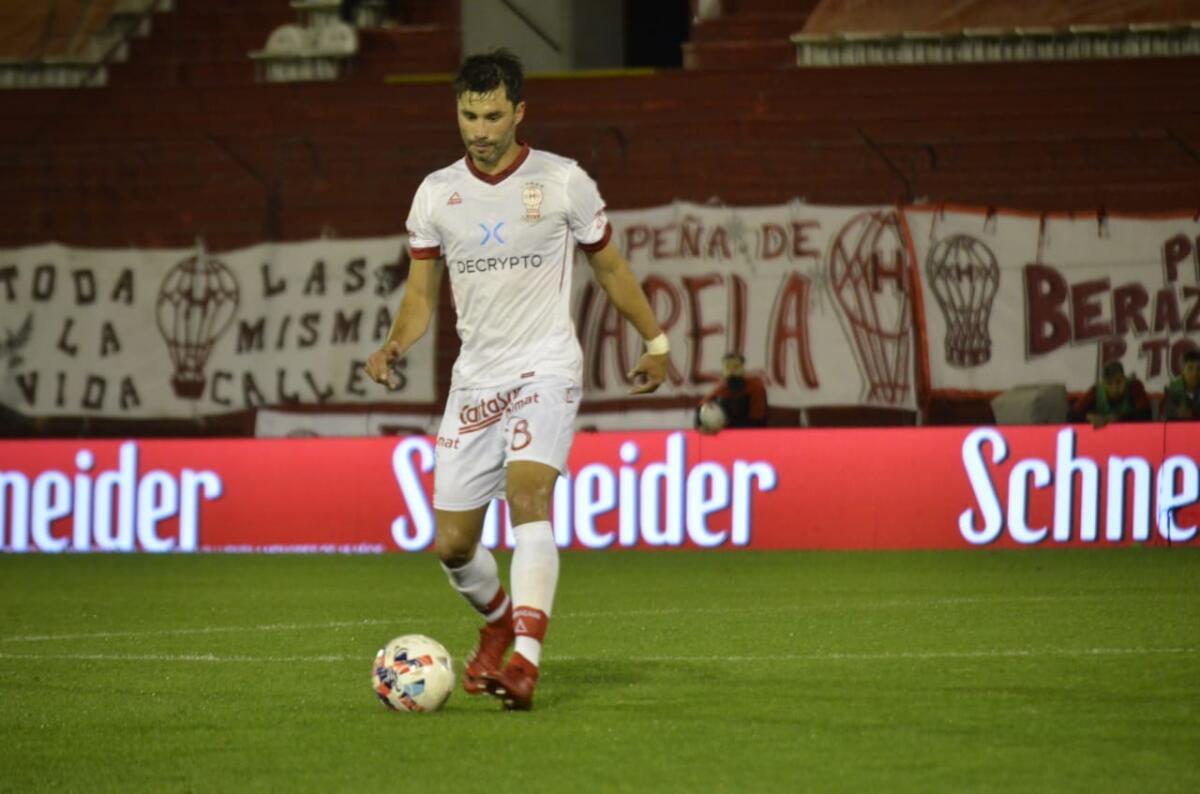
[(509, 242)]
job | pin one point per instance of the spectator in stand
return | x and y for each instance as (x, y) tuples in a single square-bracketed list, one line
[(743, 397), (1114, 399), (1181, 400)]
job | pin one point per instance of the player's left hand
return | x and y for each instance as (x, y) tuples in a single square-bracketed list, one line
[(649, 373)]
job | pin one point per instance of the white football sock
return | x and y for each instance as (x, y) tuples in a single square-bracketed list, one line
[(479, 582), (534, 578)]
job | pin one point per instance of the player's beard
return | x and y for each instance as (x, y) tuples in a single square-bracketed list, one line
[(491, 154)]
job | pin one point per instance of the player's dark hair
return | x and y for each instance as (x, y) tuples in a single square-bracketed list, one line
[(485, 72), (1112, 369), (1191, 355)]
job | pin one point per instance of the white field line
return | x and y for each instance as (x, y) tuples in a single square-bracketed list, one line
[(264, 628), (885, 656), (833, 603), (833, 656), (178, 657)]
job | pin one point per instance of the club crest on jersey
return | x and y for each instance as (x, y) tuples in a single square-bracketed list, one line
[(531, 197)]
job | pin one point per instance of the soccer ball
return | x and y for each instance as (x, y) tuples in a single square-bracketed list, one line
[(712, 416), (413, 673)]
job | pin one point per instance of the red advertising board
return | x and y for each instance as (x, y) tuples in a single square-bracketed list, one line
[(935, 488)]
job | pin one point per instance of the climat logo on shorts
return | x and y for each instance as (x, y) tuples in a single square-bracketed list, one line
[(492, 264)]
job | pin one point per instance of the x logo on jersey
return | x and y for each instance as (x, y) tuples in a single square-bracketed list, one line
[(492, 232)]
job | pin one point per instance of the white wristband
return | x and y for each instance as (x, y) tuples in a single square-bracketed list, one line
[(658, 346)]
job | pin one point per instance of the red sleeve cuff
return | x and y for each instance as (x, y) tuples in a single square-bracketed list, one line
[(427, 253), (592, 248)]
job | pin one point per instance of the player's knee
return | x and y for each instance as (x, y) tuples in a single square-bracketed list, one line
[(454, 551)]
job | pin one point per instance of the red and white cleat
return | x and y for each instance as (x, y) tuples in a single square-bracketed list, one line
[(494, 639), (513, 685)]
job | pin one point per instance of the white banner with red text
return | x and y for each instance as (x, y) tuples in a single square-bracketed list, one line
[(1011, 298), (817, 300), (183, 333), (985, 487)]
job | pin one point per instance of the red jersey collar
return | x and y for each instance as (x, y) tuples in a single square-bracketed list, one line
[(497, 178)]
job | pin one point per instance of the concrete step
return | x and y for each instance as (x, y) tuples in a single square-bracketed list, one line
[(755, 54)]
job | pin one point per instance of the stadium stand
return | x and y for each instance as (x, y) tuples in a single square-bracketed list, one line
[(320, 49), (185, 142), (747, 34), (69, 43), (162, 156), (841, 33)]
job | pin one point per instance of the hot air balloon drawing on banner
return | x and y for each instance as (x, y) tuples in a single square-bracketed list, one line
[(964, 275), (868, 272), (196, 303)]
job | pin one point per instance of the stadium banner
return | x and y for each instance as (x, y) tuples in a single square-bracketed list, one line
[(1011, 298), (817, 299), (182, 333), (830, 306), (975, 487)]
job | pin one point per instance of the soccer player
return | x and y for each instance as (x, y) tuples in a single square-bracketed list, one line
[(506, 220)]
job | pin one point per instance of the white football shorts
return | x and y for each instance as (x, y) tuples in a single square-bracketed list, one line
[(483, 430)]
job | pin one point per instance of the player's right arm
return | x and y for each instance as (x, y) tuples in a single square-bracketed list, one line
[(420, 293), (412, 319)]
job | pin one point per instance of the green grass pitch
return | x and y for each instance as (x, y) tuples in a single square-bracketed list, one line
[(1046, 670)]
